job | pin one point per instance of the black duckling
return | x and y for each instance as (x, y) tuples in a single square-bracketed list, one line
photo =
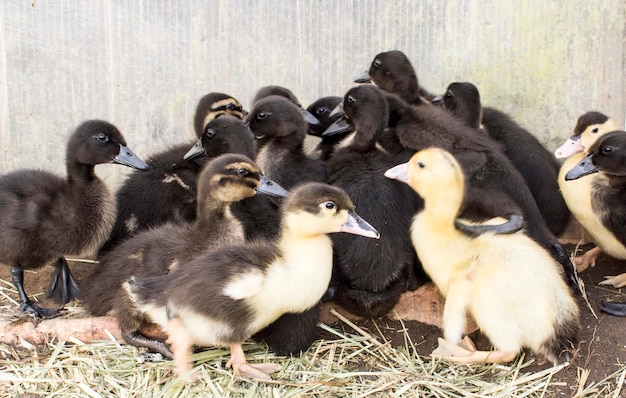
[(577, 193), (284, 92), (45, 217), (393, 72), (534, 162), (226, 179), (420, 126), (370, 276), (167, 192), (322, 109), (278, 122), (225, 296), (510, 285), (607, 157)]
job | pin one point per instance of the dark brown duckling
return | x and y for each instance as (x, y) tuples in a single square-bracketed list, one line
[(370, 276), (393, 72), (534, 162), (281, 91), (167, 192), (45, 217), (278, 123), (226, 179), (322, 109), (225, 296)]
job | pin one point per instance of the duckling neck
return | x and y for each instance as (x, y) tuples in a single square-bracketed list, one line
[(79, 173), (441, 207)]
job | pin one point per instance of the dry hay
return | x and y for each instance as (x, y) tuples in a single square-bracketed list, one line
[(354, 364)]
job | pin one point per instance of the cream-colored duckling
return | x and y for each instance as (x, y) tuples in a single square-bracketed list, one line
[(511, 286)]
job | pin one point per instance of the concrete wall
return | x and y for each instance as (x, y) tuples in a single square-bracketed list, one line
[(143, 64)]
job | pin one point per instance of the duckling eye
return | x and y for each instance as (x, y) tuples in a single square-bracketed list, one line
[(377, 63), (210, 133), (242, 172), (330, 205), (230, 106), (321, 110), (102, 137), (607, 149), (262, 115), (351, 99), (421, 165), (449, 94), (594, 130)]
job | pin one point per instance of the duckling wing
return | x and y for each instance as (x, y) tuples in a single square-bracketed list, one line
[(24, 195)]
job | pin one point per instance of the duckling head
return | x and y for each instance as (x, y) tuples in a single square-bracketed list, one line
[(607, 155), (462, 99), (227, 134), (432, 170), (276, 117), (214, 105), (393, 72), (234, 177), (284, 92), (589, 127), (97, 141), (321, 109), (315, 208)]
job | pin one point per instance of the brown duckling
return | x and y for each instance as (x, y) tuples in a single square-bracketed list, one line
[(45, 217), (225, 296)]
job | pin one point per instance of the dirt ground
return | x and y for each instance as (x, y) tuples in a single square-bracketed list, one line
[(602, 350)]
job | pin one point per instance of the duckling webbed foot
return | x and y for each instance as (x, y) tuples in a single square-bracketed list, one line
[(242, 368), (27, 306), (615, 281), (613, 308), (466, 352), (63, 286), (588, 259)]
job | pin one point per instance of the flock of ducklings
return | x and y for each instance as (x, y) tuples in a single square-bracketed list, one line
[(238, 235)]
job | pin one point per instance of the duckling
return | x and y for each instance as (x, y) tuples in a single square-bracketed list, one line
[(607, 157), (420, 126), (278, 122), (510, 285), (225, 296), (393, 72), (226, 179), (322, 109), (281, 91), (577, 193), (214, 105), (45, 217), (534, 162), (370, 276), (259, 214), (167, 192)]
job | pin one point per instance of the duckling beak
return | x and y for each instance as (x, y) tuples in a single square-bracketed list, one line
[(195, 151), (363, 78), (583, 168), (339, 127), (308, 116), (338, 111), (438, 100), (128, 158), (570, 147), (358, 226), (399, 172), (269, 187)]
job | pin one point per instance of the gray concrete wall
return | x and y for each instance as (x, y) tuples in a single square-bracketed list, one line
[(143, 64)]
